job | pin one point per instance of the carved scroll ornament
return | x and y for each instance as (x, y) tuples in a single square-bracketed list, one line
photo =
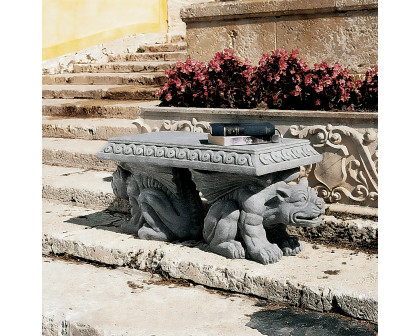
[(348, 172), (174, 125)]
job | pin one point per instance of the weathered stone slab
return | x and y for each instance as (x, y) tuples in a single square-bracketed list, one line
[(192, 150), (319, 278), (86, 108), (88, 128), (81, 299), (349, 38), (74, 153), (344, 31), (247, 39)]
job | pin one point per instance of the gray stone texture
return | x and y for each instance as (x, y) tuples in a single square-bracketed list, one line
[(317, 278), (87, 108), (81, 299), (74, 153), (345, 31), (86, 129), (96, 91)]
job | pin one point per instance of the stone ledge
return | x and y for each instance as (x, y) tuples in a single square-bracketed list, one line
[(88, 129), (331, 116), (321, 279), (233, 10)]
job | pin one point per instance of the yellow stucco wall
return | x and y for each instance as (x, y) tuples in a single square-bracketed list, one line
[(71, 25)]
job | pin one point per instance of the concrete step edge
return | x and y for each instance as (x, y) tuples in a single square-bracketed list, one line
[(133, 293), (75, 153), (70, 232), (181, 46), (149, 66), (113, 78), (157, 56), (81, 187), (118, 92), (94, 108), (88, 129)]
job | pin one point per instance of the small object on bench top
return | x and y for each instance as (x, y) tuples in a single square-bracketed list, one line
[(245, 128), (192, 150)]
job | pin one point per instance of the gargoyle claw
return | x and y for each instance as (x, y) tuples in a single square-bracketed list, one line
[(267, 255)]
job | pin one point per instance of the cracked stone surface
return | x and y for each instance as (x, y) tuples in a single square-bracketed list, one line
[(319, 278), (82, 299)]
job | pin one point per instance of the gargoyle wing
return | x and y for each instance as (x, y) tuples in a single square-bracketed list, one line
[(214, 185), (161, 174)]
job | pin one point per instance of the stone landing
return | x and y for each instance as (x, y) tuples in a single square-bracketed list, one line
[(320, 278)]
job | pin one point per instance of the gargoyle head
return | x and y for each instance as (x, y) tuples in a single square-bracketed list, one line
[(297, 205)]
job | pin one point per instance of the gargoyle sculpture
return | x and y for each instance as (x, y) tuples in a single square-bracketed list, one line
[(164, 203), (251, 205), (166, 206)]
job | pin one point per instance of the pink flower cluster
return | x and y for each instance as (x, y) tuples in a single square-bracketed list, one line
[(281, 78), (368, 90), (187, 85), (232, 81), (225, 82), (281, 81), (330, 88)]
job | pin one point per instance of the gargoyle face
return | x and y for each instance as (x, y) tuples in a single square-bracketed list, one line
[(298, 205)]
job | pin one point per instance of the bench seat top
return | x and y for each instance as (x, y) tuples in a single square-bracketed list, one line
[(192, 150)]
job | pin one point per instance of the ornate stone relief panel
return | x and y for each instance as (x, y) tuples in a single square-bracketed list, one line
[(348, 172)]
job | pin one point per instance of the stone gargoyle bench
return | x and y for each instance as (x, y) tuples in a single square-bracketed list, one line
[(247, 188)]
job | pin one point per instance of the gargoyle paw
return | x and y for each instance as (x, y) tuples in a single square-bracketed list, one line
[(268, 254), (231, 249)]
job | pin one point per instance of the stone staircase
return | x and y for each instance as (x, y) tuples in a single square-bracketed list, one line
[(81, 215), (114, 89)]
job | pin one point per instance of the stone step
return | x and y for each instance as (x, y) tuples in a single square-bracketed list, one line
[(81, 298), (164, 47), (319, 278), (92, 189), (89, 129), (119, 67), (78, 153), (150, 56), (85, 108), (156, 78), (116, 92)]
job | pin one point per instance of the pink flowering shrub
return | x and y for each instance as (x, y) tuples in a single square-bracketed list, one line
[(281, 79), (187, 85), (232, 81), (328, 88), (368, 90)]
